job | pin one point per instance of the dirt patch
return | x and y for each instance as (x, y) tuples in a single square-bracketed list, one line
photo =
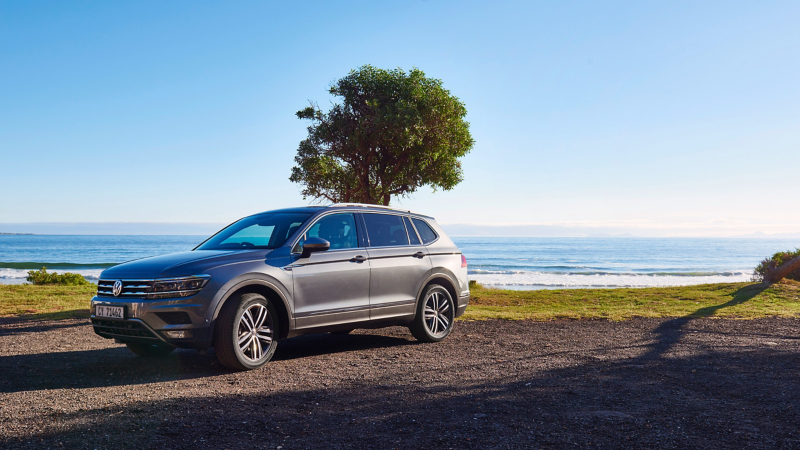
[(648, 383)]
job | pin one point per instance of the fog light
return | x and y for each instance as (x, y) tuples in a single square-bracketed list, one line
[(179, 334)]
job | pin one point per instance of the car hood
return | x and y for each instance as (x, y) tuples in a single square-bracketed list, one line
[(179, 264)]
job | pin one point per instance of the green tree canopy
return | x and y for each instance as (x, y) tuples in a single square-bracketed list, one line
[(392, 133)]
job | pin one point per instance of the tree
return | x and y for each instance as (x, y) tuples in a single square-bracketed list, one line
[(776, 273), (392, 133), (780, 265)]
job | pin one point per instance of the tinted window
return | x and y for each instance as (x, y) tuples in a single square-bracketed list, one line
[(411, 233), (425, 231), (262, 231), (338, 229), (385, 230)]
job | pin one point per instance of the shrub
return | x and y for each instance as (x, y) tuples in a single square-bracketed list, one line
[(779, 258), (41, 276), (474, 284)]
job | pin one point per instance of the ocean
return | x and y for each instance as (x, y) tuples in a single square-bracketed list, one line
[(553, 263), (515, 263)]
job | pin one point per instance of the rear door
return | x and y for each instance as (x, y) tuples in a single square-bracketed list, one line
[(332, 287), (398, 265)]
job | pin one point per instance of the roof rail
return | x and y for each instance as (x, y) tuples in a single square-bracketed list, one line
[(366, 205)]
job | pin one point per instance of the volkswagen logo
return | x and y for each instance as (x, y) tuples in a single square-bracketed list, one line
[(117, 289)]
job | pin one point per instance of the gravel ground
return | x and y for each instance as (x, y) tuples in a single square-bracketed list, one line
[(642, 383)]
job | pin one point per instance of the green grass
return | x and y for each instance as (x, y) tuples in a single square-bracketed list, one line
[(45, 302), (728, 300)]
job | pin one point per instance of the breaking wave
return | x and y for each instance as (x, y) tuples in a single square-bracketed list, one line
[(543, 280)]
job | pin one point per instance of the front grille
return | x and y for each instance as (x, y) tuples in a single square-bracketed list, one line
[(130, 288), (120, 328)]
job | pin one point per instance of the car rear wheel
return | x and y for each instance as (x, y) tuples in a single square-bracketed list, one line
[(435, 315), (247, 334), (150, 350)]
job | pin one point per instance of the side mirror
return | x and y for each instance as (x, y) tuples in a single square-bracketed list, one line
[(313, 245)]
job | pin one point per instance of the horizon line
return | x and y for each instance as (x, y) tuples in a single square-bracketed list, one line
[(455, 229)]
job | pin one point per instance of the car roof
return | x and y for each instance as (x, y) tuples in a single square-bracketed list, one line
[(299, 209), (359, 207)]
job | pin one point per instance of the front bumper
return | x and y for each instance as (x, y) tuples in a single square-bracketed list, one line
[(127, 330), (141, 322)]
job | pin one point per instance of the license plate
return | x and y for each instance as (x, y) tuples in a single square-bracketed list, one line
[(113, 312)]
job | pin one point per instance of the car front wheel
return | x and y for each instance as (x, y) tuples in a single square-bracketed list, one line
[(435, 315), (247, 334)]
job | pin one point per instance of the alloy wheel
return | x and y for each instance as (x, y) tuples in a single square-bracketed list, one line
[(254, 332), (438, 314)]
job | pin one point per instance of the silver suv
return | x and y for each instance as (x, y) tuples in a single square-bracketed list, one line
[(285, 273)]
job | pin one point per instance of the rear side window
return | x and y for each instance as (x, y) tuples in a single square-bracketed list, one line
[(425, 231), (411, 233), (385, 230)]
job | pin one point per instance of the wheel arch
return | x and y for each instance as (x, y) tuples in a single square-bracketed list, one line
[(270, 291), (442, 279)]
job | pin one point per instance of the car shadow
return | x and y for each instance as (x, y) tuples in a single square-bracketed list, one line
[(321, 344), (17, 325), (703, 400), (117, 366)]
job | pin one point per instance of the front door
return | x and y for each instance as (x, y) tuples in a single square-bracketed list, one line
[(398, 266), (332, 287)]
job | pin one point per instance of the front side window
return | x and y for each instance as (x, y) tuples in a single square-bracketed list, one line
[(269, 230), (425, 232), (338, 229), (385, 230)]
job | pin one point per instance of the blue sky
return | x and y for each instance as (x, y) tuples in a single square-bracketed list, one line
[(632, 115)]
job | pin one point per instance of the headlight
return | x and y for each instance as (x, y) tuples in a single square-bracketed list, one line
[(178, 287)]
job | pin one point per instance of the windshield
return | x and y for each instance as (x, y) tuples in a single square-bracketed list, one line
[(268, 230)]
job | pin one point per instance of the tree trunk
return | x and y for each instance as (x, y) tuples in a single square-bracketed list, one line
[(775, 274)]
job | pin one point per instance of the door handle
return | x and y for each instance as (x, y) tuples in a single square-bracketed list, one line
[(419, 255), (358, 259)]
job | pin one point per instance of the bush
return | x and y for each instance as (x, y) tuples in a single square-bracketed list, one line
[(474, 284), (779, 258), (41, 276)]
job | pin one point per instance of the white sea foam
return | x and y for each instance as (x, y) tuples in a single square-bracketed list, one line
[(516, 278), (534, 280)]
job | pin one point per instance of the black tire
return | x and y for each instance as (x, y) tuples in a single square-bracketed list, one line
[(343, 332), (232, 327), (150, 350), (437, 326)]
